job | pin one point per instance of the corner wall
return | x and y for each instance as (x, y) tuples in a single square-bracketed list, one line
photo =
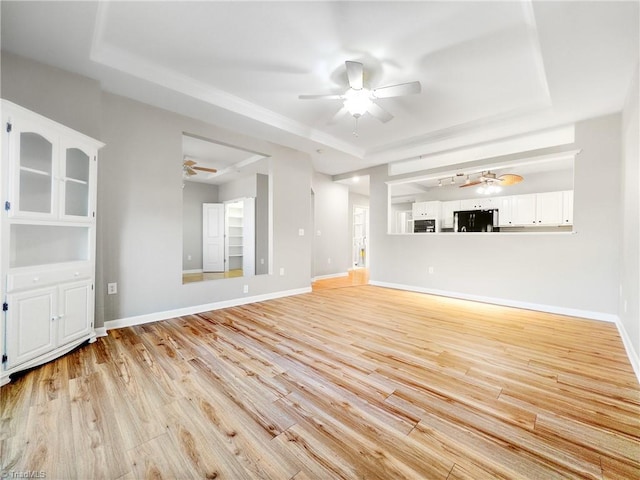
[(630, 212), (331, 242)]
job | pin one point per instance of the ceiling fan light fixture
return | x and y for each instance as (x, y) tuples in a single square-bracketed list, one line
[(357, 102)]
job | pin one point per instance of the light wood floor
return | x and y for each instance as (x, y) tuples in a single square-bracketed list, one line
[(357, 276), (353, 383)]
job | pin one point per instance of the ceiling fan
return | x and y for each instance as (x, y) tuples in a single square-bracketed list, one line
[(358, 99), (487, 178), (189, 168)]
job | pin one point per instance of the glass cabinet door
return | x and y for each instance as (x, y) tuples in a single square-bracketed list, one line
[(35, 176), (76, 176)]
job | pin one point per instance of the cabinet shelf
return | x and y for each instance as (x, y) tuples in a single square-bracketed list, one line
[(75, 180), (37, 172)]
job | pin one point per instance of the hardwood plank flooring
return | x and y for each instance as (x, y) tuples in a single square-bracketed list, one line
[(347, 382), (356, 276)]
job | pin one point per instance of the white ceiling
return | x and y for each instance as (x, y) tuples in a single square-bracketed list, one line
[(487, 69)]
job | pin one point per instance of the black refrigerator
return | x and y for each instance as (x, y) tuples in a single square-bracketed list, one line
[(476, 221)]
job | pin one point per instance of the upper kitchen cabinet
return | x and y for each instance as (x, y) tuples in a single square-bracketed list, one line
[(52, 171)]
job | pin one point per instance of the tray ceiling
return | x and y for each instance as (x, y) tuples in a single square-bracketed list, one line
[(497, 67)]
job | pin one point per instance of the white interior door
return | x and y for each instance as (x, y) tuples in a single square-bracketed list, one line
[(213, 237)]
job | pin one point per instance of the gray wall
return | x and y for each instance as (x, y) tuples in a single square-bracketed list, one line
[(72, 100), (331, 220), (576, 271), (194, 194), (143, 219), (244, 187), (262, 224), (630, 247)]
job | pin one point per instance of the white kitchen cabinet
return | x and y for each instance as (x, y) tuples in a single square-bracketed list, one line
[(47, 258), (549, 208), (447, 212), (567, 207), (505, 210), (539, 209), (424, 210), (484, 203), (524, 210)]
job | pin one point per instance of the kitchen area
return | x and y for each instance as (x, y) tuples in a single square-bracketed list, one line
[(536, 212), (533, 197)]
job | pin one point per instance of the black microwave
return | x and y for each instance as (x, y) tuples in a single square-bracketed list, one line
[(424, 226)]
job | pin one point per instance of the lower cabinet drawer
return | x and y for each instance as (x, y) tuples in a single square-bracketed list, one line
[(38, 278)]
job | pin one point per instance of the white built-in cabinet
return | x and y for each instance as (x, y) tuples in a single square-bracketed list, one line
[(548, 209), (567, 207), (484, 203), (47, 255), (542, 209), (426, 210)]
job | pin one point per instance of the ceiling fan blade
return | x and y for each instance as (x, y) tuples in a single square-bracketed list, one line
[(189, 163), (379, 112), (355, 74), (471, 184), (509, 179), (204, 169), (190, 171), (325, 97), (398, 90)]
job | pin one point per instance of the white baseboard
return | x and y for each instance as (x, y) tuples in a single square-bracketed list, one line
[(331, 275), (539, 307), (572, 312), (157, 316), (634, 358), (101, 332), (196, 270)]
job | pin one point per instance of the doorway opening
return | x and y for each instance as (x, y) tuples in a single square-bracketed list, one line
[(360, 249)]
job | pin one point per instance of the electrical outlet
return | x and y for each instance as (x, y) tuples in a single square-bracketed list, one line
[(282, 271), (431, 270), (245, 289), (188, 257), (262, 261), (329, 260), (112, 288), (301, 232)]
